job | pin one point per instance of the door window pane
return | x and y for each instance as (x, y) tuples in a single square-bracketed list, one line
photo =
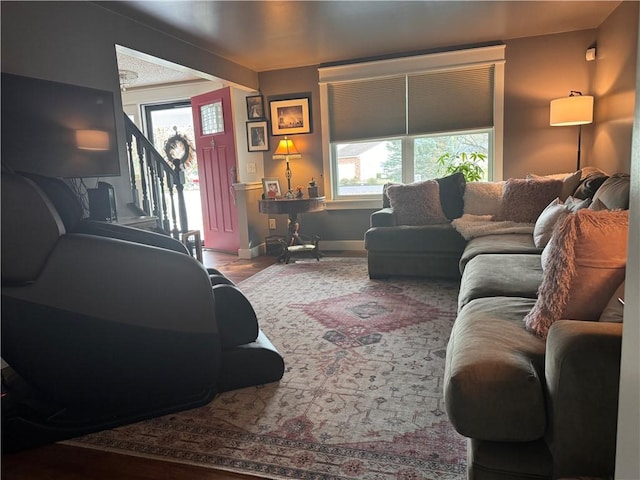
[(211, 118)]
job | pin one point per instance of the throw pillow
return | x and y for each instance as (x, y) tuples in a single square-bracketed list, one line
[(614, 311), (551, 215), (482, 198), (570, 182), (590, 181), (385, 198), (614, 192), (585, 264), (417, 203), (523, 200), (452, 194)]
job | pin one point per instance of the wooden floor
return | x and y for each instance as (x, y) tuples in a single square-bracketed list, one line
[(63, 462)]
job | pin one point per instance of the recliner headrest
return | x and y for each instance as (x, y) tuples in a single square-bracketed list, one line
[(31, 227)]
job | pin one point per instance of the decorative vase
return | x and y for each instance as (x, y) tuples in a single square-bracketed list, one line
[(313, 192)]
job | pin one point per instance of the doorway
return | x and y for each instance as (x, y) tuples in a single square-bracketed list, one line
[(162, 122)]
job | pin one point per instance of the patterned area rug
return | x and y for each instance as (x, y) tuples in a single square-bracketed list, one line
[(361, 397)]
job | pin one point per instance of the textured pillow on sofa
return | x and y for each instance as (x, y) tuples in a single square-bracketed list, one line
[(570, 182), (584, 266), (417, 203), (452, 194), (523, 200), (482, 198)]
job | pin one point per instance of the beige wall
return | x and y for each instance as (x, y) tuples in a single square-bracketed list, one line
[(615, 88), (539, 69)]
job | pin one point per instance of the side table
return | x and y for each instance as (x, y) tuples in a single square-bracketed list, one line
[(295, 246)]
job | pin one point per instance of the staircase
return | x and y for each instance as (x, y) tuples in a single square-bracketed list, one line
[(156, 183)]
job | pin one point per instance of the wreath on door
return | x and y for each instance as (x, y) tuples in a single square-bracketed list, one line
[(178, 148)]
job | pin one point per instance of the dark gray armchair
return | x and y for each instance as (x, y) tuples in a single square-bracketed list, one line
[(100, 331)]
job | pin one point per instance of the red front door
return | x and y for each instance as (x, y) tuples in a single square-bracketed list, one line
[(217, 171)]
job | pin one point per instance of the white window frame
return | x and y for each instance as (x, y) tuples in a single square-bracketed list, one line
[(457, 59)]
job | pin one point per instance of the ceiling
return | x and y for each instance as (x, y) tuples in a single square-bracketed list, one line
[(273, 34)]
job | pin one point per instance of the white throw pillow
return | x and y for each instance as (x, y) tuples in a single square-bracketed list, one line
[(554, 213), (483, 198)]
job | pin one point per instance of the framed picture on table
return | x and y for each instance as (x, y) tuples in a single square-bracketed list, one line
[(257, 136), (271, 188), (290, 115)]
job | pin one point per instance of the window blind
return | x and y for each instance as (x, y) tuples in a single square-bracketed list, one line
[(423, 103), (450, 100), (364, 109)]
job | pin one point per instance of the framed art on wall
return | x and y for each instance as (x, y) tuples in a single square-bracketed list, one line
[(257, 136), (271, 188), (255, 107), (290, 115)]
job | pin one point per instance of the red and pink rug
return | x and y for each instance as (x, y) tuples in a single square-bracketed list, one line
[(361, 396)]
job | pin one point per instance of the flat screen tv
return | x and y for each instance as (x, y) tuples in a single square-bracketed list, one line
[(57, 129)]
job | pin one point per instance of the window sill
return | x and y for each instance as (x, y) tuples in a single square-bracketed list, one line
[(354, 204)]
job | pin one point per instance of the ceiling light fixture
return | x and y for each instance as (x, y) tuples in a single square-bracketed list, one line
[(127, 78)]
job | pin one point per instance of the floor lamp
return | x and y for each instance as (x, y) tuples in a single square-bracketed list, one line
[(576, 109)]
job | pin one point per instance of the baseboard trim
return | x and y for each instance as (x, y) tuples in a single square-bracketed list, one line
[(342, 245), (249, 253)]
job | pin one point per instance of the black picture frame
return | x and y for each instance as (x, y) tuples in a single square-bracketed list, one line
[(291, 114), (255, 107), (258, 136)]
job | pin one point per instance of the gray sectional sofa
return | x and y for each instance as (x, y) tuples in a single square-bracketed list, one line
[(534, 401)]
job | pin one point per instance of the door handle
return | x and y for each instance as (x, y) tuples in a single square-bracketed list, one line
[(233, 178)]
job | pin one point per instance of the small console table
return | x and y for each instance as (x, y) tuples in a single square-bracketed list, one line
[(294, 245)]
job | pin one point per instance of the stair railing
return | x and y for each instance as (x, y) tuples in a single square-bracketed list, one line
[(158, 178)]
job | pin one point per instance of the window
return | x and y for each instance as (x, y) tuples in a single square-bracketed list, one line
[(396, 120)]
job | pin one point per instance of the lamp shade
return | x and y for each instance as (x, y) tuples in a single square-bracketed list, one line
[(573, 110), (92, 140), (286, 149)]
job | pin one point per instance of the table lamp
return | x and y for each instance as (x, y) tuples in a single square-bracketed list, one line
[(286, 150)]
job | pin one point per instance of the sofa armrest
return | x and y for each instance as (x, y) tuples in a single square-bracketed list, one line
[(383, 218), (582, 369)]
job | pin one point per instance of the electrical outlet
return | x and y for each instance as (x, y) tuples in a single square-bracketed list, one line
[(272, 224)]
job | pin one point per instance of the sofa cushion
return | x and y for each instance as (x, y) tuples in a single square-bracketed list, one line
[(482, 198), (506, 275), (585, 264), (417, 203), (614, 310), (418, 239), (452, 194), (553, 213), (510, 243), (523, 200), (494, 372), (614, 192)]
